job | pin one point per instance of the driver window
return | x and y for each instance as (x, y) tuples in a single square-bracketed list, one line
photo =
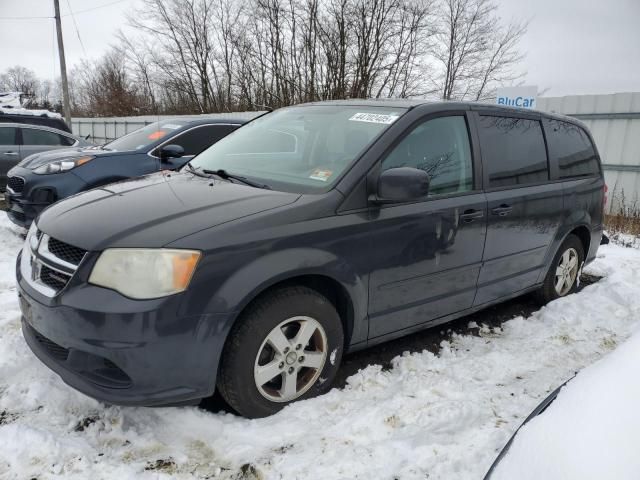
[(441, 148)]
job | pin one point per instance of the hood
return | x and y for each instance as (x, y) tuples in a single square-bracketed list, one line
[(153, 211), (50, 156)]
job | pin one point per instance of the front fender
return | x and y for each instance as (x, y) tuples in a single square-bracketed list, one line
[(250, 280)]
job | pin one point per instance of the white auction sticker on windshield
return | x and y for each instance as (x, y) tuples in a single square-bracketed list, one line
[(374, 118), (171, 126), (320, 174)]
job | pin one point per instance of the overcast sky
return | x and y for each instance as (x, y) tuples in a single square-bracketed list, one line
[(571, 47)]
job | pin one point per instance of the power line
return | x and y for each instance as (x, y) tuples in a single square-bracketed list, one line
[(23, 18), (73, 17), (95, 8), (66, 15)]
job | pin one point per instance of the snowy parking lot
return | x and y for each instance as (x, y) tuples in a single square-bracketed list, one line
[(436, 416)]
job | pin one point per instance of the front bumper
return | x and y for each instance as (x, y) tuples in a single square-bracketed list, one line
[(37, 193), (123, 351), (21, 212)]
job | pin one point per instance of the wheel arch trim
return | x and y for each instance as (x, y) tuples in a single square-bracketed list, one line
[(303, 264)]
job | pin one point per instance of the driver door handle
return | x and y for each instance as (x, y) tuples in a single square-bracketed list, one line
[(11, 154), (471, 215)]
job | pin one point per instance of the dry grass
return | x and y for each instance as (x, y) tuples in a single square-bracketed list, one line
[(622, 224), (627, 217)]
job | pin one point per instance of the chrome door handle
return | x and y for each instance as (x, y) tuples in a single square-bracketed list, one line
[(11, 154)]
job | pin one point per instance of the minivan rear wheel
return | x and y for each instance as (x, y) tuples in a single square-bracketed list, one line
[(562, 278), (286, 346)]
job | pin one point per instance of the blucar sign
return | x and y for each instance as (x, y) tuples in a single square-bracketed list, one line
[(523, 97)]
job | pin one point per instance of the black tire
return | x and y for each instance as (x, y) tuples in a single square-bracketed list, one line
[(548, 291), (236, 381)]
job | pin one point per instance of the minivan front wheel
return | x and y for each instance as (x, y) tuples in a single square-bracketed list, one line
[(287, 346), (290, 359), (562, 278)]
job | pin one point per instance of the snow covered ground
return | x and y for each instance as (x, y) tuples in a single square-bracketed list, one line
[(443, 416)]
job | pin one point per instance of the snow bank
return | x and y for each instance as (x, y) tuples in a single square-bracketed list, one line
[(442, 416), (625, 240)]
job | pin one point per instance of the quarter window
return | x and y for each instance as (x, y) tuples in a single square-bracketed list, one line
[(441, 148), (7, 136), (570, 146), (513, 151)]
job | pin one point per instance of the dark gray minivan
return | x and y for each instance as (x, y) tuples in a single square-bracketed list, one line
[(310, 231)]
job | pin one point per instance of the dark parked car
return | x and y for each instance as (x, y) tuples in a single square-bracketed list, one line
[(40, 120), (18, 141), (311, 231), (42, 179)]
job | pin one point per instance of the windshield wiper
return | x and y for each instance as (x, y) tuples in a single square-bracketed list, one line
[(195, 171), (226, 176)]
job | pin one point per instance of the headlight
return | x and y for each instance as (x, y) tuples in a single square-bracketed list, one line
[(62, 165), (31, 241), (145, 273)]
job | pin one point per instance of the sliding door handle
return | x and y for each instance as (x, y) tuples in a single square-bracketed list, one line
[(502, 211)]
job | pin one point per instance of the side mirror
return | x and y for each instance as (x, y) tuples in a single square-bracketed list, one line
[(171, 151), (402, 184)]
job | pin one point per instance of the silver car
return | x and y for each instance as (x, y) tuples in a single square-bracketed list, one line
[(18, 141)]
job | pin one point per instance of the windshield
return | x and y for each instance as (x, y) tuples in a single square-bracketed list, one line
[(146, 136), (299, 149)]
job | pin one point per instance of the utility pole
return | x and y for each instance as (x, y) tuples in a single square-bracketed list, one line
[(66, 108)]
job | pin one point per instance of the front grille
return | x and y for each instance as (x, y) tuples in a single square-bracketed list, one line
[(110, 376), (16, 184), (52, 278), (66, 252), (56, 351), (49, 264)]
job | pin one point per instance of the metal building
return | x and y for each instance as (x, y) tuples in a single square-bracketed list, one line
[(614, 121)]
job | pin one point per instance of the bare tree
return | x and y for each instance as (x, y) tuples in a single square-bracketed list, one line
[(21, 79), (105, 88), (186, 56), (473, 50)]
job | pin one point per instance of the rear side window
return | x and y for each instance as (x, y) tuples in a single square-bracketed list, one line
[(200, 138), (513, 151), (32, 136), (7, 135), (441, 148), (570, 146)]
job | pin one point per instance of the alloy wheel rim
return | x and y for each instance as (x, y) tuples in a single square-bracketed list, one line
[(566, 271), (290, 359)]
